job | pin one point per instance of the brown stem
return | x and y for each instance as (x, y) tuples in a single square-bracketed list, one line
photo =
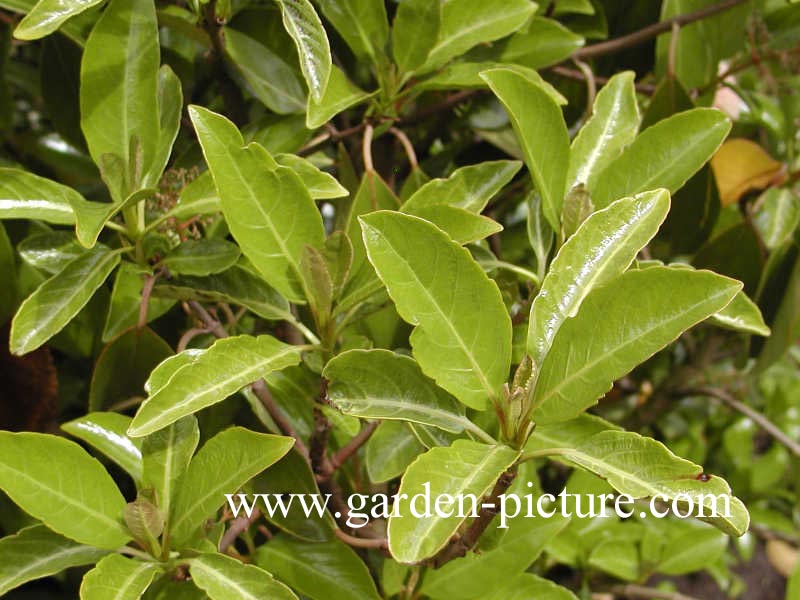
[(231, 94), (357, 542), (460, 546), (644, 88), (259, 387), (237, 527), (648, 33), (639, 591), (147, 291), (351, 447), (752, 414)]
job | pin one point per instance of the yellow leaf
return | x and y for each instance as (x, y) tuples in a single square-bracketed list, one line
[(740, 166)]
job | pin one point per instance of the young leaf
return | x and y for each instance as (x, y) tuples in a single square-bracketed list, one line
[(630, 318), (223, 369), (642, 467), (120, 115), (362, 24), (54, 303), (318, 282), (466, 23), (165, 456), (602, 248), (119, 578), (469, 187), (542, 133), (105, 431), (379, 384), (37, 552), (322, 571), (220, 576), (436, 286), (664, 155), (170, 108), (301, 21), (612, 126), (201, 257), (224, 464), (24, 195), (56, 481), (47, 16), (270, 212), (466, 467)]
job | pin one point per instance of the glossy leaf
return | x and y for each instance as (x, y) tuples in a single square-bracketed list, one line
[(466, 467), (469, 187), (378, 384), (54, 303), (37, 552), (234, 456), (47, 16), (301, 21), (49, 252), (105, 431), (612, 126), (322, 571), (579, 369), (542, 133), (602, 248), (664, 155), (219, 575), (201, 257), (56, 481), (165, 457), (340, 94), (226, 367), (642, 467), (778, 217), (362, 24), (741, 314), (124, 40), (27, 196), (435, 285), (270, 213), (118, 578)]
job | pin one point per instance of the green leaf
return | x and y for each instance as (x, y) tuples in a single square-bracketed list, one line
[(630, 318), (322, 571), (51, 251), (543, 43), (414, 31), (9, 292), (379, 384), (466, 23), (126, 300), (201, 257), (778, 216), (318, 282), (48, 15), (224, 464), (54, 303), (118, 578), (390, 450), (362, 24), (542, 133), (339, 95), (119, 89), (321, 185), (602, 248), (664, 155), (105, 431), (56, 481), (741, 314), (466, 467), (165, 456), (226, 367), (528, 586), (270, 213), (477, 575), (37, 552), (170, 108), (461, 225), (301, 21), (237, 285), (220, 576), (469, 187), (24, 195), (436, 286), (268, 76), (642, 467), (612, 126), (161, 375)]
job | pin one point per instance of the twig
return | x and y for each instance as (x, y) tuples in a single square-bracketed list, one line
[(188, 336), (591, 86), (259, 387), (644, 88), (366, 148), (755, 416), (237, 527), (357, 542), (639, 591), (408, 147), (648, 33), (231, 94), (346, 451), (147, 291)]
